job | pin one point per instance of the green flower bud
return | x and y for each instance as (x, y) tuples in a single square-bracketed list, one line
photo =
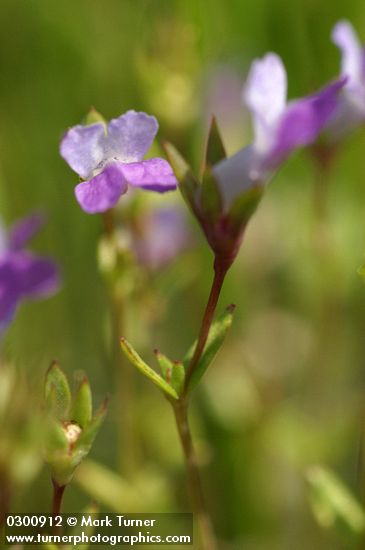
[(71, 426)]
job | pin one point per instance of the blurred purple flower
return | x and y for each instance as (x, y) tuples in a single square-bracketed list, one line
[(222, 97), (350, 111), (279, 127), (162, 237), (23, 274), (110, 158)]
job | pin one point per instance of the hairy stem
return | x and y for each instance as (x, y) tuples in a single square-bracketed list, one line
[(207, 539), (220, 271)]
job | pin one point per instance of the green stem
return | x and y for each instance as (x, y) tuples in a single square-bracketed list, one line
[(323, 160), (207, 539), (124, 386), (123, 374), (220, 271)]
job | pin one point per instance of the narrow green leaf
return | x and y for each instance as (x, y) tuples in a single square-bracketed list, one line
[(210, 198), (82, 407), (57, 392), (108, 487), (189, 184), (332, 501), (215, 151), (89, 433), (215, 340), (145, 369)]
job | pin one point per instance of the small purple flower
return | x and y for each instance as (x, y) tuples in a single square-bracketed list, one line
[(279, 127), (23, 274), (163, 235), (110, 158), (351, 107), (222, 97)]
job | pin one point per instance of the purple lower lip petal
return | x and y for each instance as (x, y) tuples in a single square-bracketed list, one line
[(154, 175), (103, 191)]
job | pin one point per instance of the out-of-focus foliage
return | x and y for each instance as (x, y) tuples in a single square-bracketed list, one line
[(287, 390)]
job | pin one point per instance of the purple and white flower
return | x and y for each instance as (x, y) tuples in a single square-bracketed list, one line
[(351, 107), (110, 158), (280, 127), (23, 274)]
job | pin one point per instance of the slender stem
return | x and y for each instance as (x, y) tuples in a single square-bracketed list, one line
[(220, 271), (126, 446), (207, 538), (180, 407), (124, 389), (328, 329), (58, 491), (323, 158)]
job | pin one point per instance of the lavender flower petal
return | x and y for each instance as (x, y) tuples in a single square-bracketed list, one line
[(353, 58), (236, 174), (302, 122), (154, 175), (351, 109), (130, 136), (103, 191), (82, 148), (265, 95), (24, 230)]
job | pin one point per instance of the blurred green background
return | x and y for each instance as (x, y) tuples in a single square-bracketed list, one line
[(288, 389)]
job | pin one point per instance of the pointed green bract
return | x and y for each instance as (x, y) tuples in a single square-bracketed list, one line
[(215, 151), (91, 430), (55, 438), (210, 197), (82, 406), (245, 205), (332, 501), (189, 184), (57, 392), (94, 117), (172, 371), (178, 377), (145, 369), (215, 340), (165, 364)]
